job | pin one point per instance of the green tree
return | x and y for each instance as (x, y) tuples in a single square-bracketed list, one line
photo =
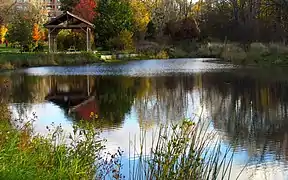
[(113, 17), (20, 30)]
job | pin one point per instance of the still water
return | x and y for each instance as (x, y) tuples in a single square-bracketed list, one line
[(247, 107)]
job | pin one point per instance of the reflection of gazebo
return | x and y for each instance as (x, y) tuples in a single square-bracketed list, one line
[(67, 20), (73, 98), (84, 109)]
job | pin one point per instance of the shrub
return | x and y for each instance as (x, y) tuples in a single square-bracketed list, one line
[(151, 31), (162, 55), (6, 66), (277, 48), (233, 53), (39, 48), (150, 49), (124, 41)]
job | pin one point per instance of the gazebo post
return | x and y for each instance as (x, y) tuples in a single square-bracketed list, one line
[(49, 39), (55, 43), (87, 38)]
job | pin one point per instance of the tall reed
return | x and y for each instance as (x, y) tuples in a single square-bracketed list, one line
[(185, 151)]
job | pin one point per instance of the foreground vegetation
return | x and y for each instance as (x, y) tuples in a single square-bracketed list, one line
[(24, 156), (181, 154)]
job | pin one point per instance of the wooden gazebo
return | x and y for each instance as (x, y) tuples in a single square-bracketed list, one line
[(67, 20)]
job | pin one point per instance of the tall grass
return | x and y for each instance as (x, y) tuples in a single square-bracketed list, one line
[(24, 155), (258, 53), (185, 151)]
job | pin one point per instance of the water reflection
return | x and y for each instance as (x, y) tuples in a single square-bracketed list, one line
[(249, 111)]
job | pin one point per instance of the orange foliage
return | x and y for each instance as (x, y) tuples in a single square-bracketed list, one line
[(36, 33)]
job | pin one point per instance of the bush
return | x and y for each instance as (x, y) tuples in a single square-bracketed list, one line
[(278, 48), (124, 41), (27, 48), (39, 48), (162, 55), (177, 53), (151, 31), (148, 48), (234, 53)]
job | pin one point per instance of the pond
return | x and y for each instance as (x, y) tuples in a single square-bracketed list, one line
[(247, 107)]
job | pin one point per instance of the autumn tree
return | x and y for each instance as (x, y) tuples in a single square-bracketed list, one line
[(36, 34), (86, 9), (3, 31), (141, 16)]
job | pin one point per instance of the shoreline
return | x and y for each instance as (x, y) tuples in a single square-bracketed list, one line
[(13, 61)]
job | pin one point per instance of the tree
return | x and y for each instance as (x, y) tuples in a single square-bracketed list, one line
[(36, 34), (86, 9), (3, 31), (141, 16), (20, 29), (113, 17), (68, 5)]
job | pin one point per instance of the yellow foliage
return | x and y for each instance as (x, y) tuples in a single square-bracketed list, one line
[(141, 13), (145, 86), (264, 94), (3, 31), (196, 7)]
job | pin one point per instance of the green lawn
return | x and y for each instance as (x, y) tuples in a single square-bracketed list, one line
[(4, 49)]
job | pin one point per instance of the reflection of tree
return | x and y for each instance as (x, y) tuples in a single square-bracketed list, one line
[(115, 96), (29, 89), (166, 101), (252, 113)]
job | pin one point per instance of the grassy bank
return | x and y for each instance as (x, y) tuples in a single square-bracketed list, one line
[(257, 54), (18, 60)]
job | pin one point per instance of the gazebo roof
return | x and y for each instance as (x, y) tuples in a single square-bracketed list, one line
[(68, 20)]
